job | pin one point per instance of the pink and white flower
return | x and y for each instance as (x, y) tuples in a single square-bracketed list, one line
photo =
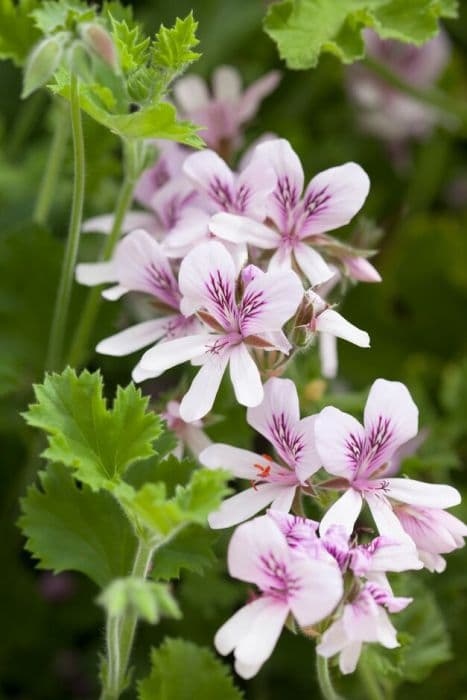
[(224, 111), (360, 456), (232, 326), (222, 190), (298, 223), (190, 436), (434, 532), (364, 619), (275, 480), (289, 583), (140, 265), (383, 110)]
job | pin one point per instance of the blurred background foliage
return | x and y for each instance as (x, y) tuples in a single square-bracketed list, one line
[(51, 628)]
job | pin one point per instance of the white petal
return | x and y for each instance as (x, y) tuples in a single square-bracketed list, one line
[(241, 229), (191, 93), (134, 338), (349, 656), (114, 293), (210, 174), (418, 493), (328, 355), (238, 461), (245, 377), (243, 505), (226, 84), (202, 393), (174, 352), (344, 512), (283, 502), (91, 274), (269, 301), (312, 264), (329, 321), (387, 522)]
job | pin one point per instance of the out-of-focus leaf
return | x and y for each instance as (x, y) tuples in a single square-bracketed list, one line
[(303, 29), (190, 550), (17, 31), (75, 529), (183, 671), (147, 599)]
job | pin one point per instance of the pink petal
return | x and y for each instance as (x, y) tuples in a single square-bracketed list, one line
[(343, 512), (361, 269), (250, 544), (312, 264), (245, 377), (390, 419), (191, 93), (255, 94), (333, 197), (329, 321), (243, 505), (308, 461), (339, 441), (174, 352), (202, 393), (134, 338), (418, 493), (269, 301), (212, 176), (280, 406), (238, 461), (254, 185), (132, 221), (279, 155), (207, 280), (241, 229), (226, 84)]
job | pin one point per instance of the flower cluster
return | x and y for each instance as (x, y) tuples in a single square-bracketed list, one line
[(321, 571), (236, 265)]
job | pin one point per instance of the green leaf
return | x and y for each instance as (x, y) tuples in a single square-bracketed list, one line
[(98, 442), (132, 46), (192, 503), (303, 29), (74, 529), (172, 50), (17, 31), (183, 671), (190, 550), (52, 16), (41, 65), (147, 599)]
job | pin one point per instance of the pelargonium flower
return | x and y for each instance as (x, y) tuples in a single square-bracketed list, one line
[(382, 109), (434, 532), (140, 265), (190, 436), (296, 224), (275, 479), (221, 190), (364, 619), (166, 194), (224, 112), (233, 325), (289, 583), (360, 456)]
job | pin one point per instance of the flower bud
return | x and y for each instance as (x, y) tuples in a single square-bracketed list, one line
[(100, 42), (42, 64), (79, 61)]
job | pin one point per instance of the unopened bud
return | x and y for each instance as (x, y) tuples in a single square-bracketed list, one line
[(42, 64), (100, 41), (79, 61)]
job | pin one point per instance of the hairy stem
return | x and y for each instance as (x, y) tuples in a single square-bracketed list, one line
[(120, 633), (430, 96), (324, 679), (62, 302), (80, 343), (54, 165)]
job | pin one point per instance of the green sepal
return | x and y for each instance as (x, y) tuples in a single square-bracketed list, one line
[(41, 64)]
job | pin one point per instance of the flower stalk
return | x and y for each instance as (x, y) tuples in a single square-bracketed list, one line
[(80, 343), (324, 679), (62, 303)]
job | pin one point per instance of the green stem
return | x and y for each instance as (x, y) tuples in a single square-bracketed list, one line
[(373, 690), (53, 167), (80, 343), (324, 679), (62, 303), (121, 630), (431, 96)]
